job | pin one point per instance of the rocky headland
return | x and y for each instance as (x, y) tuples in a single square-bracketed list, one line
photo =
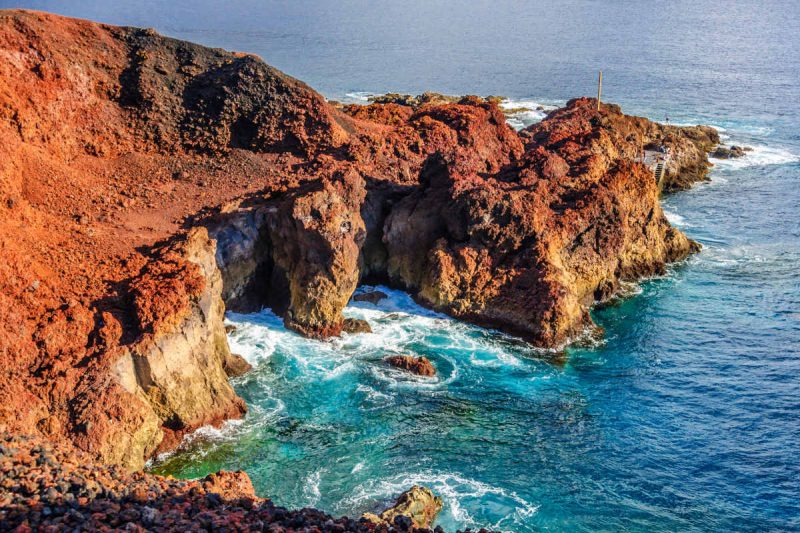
[(148, 184)]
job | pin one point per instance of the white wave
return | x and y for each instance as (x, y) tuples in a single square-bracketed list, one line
[(361, 96), (311, 488), (529, 111), (454, 489), (760, 156), (227, 432), (675, 219)]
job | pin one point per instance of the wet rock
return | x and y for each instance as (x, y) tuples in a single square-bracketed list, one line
[(235, 365), (417, 507), (372, 297), (526, 252), (730, 152), (420, 366), (356, 325)]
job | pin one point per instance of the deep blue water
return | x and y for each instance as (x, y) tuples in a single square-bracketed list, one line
[(686, 418)]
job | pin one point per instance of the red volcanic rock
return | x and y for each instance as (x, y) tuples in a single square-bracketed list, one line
[(420, 366), (530, 248), (230, 485)]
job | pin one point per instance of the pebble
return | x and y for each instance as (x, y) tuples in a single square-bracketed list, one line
[(47, 487)]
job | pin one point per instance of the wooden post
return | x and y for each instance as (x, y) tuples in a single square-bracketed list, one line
[(599, 89)]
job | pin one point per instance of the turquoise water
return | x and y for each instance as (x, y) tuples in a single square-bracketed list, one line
[(687, 417)]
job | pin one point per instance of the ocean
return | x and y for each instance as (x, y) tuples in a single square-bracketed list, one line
[(685, 418)]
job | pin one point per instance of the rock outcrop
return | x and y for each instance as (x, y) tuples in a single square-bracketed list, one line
[(120, 148), (317, 236), (416, 507), (172, 377), (372, 297), (730, 152), (530, 247), (420, 366)]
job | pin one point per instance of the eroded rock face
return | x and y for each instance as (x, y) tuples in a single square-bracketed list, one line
[(528, 249), (317, 237), (177, 367)]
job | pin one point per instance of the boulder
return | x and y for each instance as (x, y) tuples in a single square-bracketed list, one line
[(420, 366), (235, 365), (418, 505), (356, 325), (230, 485), (372, 297), (731, 152)]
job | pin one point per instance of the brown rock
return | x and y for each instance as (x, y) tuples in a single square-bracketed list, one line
[(317, 236), (419, 504), (420, 366), (235, 365), (356, 325), (230, 485)]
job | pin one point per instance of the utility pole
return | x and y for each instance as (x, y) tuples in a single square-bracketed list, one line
[(599, 89)]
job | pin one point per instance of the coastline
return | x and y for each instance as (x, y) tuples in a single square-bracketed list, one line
[(307, 237)]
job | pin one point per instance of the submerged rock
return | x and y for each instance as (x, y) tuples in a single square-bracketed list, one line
[(372, 297), (420, 366), (416, 507)]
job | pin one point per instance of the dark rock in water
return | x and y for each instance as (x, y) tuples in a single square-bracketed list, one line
[(420, 366), (235, 365), (356, 325), (731, 152), (415, 508), (372, 297), (230, 328)]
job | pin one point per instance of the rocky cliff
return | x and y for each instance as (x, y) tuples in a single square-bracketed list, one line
[(122, 151)]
